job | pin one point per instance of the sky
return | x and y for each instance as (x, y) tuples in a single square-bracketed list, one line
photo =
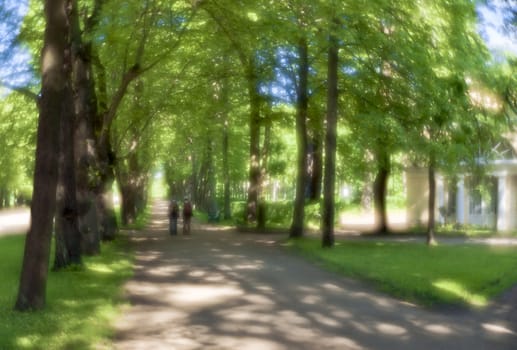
[(491, 28), (14, 59)]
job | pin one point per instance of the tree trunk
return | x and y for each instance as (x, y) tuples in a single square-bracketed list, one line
[(133, 189), (67, 234), (330, 144), (67, 237), (55, 82), (105, 166), (226, 174), (262, 207), (301, 140), (432, 203), (85, 146), (104, 194), (316, 166), (4, 197), (128, 195), (380, 191), (254, 162), (211, 181)]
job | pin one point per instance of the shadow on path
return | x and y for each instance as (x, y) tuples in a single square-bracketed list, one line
[(218, 289)]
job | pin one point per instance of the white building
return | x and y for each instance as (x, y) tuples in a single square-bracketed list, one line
[(464, 204)]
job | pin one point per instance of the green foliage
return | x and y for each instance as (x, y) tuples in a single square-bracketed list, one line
[(17, 139), (81, 303), (406, 73), (279, 213), (458, 274)]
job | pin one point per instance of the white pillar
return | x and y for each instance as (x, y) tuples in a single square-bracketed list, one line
[(460, 202), (502, 210), (440, 198)]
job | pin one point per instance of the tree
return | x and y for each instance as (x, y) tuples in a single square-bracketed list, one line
[(301, 140), (230, 21), (328, 212), (55, 85)]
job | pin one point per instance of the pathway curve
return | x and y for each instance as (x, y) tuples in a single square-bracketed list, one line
[(218, 289)]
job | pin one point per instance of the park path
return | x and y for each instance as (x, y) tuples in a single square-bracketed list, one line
[(218, 289), (14, 220)]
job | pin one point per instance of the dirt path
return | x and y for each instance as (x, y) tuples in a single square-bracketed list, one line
[(217, 289)]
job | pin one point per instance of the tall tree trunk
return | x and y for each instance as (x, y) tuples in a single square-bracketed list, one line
[(254, 161), (330, 143), (380, 191), (211, 195), (105, 162), (316, 166), (301, 140), (225, 147), (67, 237), (67, 234), (4, 197), (104, 193), (226, 173), (85, 146), (262, 207), (432, 202), (87, 115), (55, 83)]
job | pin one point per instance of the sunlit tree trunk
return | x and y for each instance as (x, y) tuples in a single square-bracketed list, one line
[(262, 206), (301, 141), (104, 193), (54, 85), (106, 158), (330, 144), (254, 160)]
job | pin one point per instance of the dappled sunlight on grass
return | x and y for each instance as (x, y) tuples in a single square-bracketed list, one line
[(457, 274), (80, 302), (100, 268), (460, 292)]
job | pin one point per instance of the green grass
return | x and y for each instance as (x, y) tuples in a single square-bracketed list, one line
[(468, 275), (81, 303)]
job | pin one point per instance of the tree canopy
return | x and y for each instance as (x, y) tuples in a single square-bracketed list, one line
[(257, 101)]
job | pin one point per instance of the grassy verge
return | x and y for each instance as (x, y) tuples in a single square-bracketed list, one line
[(80, 303), (460, 275)]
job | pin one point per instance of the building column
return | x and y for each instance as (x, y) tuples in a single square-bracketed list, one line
[(502, 210), (460, 201), (440, 199)]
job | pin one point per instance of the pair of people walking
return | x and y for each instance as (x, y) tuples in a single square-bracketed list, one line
[(174, 212)]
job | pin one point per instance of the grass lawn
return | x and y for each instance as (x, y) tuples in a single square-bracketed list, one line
[(80, 303), (463, 275)]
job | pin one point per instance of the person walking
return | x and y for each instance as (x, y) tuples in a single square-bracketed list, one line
[(187, 215), (173, 217)]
